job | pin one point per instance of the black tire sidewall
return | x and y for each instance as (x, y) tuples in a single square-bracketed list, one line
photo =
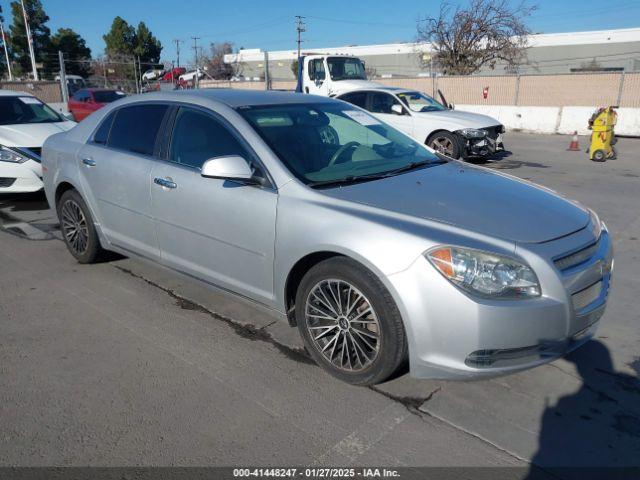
[(93, 243), (393, 349), (457, 149)]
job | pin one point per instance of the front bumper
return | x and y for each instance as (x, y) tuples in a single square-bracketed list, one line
[(20, 177), (483, 147), (455, 336)]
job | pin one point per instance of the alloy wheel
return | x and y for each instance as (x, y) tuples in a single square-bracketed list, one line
[(443, 145), (74, 226), (342, 325)]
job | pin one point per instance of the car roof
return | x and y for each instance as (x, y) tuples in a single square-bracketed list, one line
[(235, 98), (381, 88), (14, 93)]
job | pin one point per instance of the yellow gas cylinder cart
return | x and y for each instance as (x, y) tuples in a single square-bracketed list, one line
[(601, 124)]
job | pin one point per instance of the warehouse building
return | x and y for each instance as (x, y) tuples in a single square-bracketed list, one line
[(550, 53)]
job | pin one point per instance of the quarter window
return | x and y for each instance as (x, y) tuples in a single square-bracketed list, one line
[(136, 128), (102, 134), (197, 137)]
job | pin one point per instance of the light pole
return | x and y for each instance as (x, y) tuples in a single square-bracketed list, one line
[(29, 42)]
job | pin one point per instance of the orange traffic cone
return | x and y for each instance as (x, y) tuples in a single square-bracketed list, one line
[(573, 146)]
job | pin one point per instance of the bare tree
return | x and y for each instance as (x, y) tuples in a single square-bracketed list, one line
[(216, 67), (480, 35)]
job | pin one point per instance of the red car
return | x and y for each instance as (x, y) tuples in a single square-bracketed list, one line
[(173, 74), (88, 100)]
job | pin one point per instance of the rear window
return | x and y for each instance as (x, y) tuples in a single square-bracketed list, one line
[(136, 128)]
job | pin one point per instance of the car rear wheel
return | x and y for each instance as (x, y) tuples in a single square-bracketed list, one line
[(349, 322), (445, 143), (77, 228)]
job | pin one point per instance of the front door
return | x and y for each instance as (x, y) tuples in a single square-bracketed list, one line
[(219, 231), (316, 77), (381, 103), (116, 165)]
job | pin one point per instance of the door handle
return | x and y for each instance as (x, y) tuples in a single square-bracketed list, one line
[(89, 162), (163, 182)]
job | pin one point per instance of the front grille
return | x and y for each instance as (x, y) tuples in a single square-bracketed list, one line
[(587, 296), (6, 182), (576, 258)]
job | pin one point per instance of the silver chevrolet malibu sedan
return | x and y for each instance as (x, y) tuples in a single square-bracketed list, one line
[(377, 249)]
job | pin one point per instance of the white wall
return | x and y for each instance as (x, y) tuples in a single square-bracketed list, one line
[(563, 120)]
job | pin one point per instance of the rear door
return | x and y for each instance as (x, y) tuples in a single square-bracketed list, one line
[(116, 167), (219, 231)]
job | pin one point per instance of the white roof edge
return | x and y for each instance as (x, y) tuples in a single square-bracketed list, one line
[(622, 35)]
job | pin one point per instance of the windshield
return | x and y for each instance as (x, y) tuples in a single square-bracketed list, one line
[(329, 142), (419, 102), (107, 96), (345, 68), (19, 110)]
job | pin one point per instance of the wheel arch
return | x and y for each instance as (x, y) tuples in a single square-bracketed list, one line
[(62, 187)]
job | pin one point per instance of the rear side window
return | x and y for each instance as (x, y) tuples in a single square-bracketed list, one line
[(356, 98), (198, 137), (102, 134), (136, 128)]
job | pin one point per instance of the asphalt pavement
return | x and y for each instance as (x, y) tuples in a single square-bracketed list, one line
[(122, 363)]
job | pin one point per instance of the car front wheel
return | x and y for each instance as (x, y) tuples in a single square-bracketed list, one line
[(445, 143), (349, 322)]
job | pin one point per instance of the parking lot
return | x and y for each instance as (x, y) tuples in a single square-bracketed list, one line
[(122, 363)]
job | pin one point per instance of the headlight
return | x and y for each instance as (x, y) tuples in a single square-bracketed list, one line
[(473, 133), (485, 274), (8, 155)]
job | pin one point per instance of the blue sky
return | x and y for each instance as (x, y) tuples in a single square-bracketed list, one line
[(270, 24)]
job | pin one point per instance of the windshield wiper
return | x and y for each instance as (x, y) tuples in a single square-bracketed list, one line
[(414, 165), (349, 180)]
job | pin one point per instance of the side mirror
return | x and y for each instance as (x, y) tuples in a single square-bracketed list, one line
[(452, 106), (397, 109), (232, 167)]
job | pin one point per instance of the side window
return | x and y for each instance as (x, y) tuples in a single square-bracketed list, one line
[(198, 137), (102, 134), (135, 128), (382, 102), (78, 96), (318, 69), (358, 99)]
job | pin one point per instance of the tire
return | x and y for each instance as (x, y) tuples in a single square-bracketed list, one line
[(356, 344), (75, 216), (446, 143), (599, 156)]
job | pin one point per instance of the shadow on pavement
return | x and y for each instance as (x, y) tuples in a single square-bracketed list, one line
[(596, 427), (24, 202)]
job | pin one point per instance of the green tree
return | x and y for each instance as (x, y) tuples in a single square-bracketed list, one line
[(147, 47), (120, 39), (40, 34), (76, 52)]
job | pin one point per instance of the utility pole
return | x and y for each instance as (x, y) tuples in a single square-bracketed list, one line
[(63, 78), (300, 27), (195, 52), (178, 42), (29, 41), (6, 51)]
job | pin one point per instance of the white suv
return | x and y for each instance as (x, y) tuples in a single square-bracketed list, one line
[(25, 123)]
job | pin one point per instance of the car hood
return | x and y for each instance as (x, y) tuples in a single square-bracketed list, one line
[(341, 86), (31, 134), (458, 119), (472, 198)]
